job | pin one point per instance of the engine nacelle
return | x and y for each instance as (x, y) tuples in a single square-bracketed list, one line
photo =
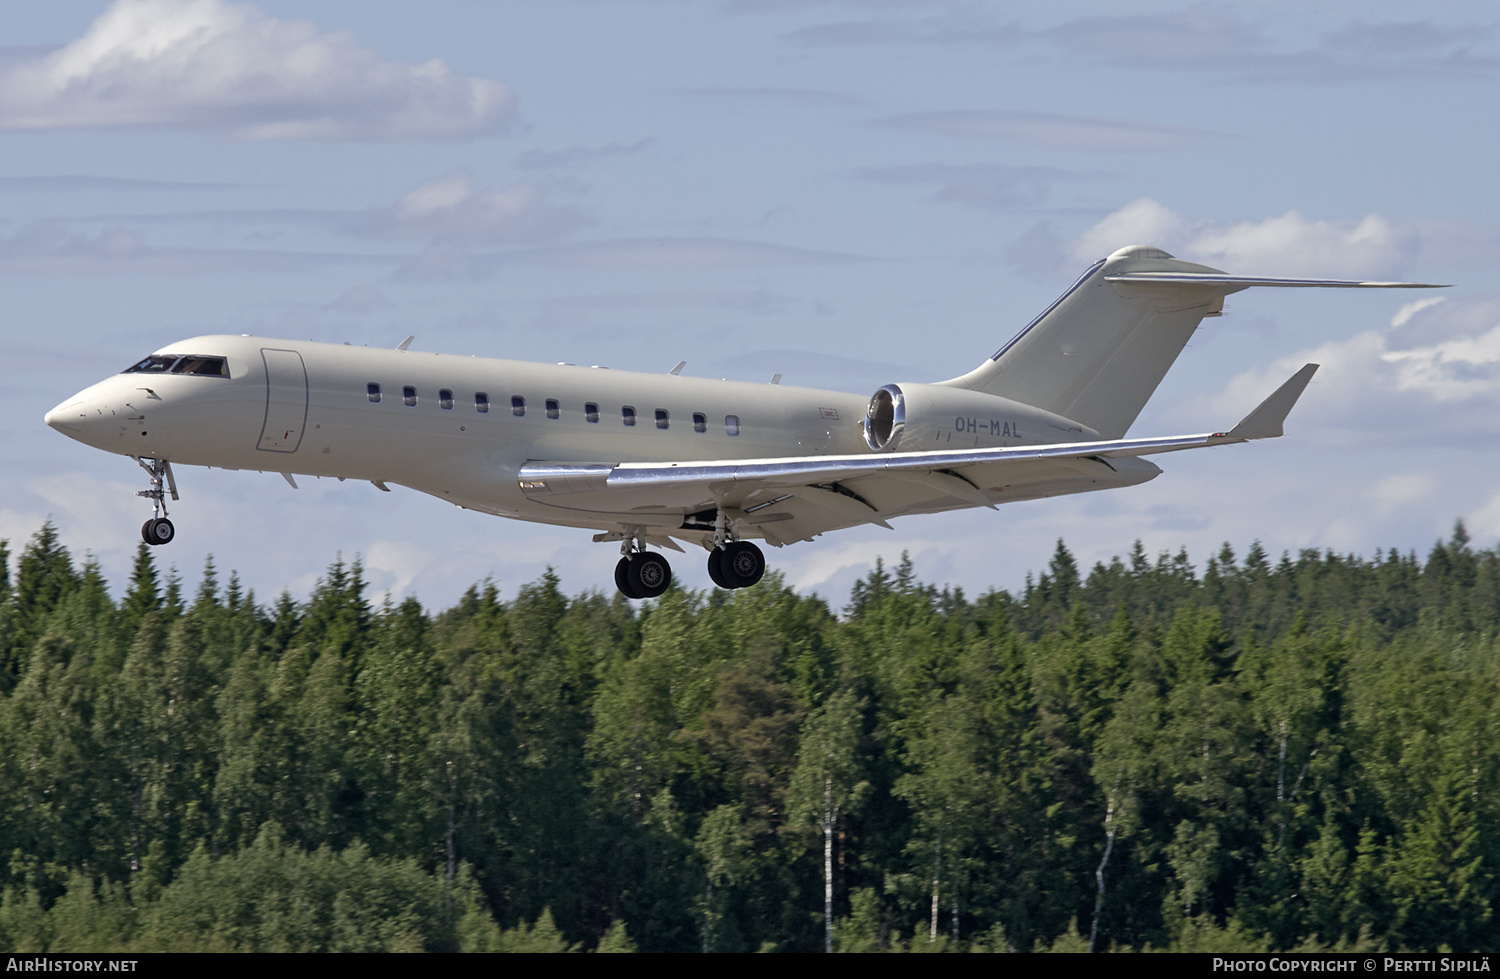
[(914, 417)]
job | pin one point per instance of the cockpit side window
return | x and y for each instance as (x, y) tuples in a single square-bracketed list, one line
[(203, 366)]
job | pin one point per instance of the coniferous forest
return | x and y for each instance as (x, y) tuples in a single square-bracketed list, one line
[(1270, 752)]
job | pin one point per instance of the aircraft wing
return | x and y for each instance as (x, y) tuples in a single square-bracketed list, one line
[(797, 498)]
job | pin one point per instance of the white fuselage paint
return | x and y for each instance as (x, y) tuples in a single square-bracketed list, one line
[(303, 408)]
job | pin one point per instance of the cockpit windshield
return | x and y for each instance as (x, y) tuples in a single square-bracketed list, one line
[(202, 366)]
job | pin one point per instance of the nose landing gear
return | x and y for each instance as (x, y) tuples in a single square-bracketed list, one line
[(158, 530)]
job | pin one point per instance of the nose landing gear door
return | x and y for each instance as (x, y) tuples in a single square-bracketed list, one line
[(286, 401)]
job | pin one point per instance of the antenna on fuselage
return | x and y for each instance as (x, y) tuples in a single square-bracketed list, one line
[(404, 344), (678, 369)]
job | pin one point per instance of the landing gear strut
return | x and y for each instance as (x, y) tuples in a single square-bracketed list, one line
[(158, 530), (641, 573)]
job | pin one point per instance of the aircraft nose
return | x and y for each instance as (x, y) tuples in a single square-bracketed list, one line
[(59, 418), (87, 419)]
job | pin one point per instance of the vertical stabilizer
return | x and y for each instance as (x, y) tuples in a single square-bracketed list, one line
[(1097, 354)]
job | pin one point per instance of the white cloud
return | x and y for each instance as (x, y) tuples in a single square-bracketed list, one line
[(1484, 523), (1402, 490), (92, 513), (1392, 384), (1371, 247), (1209, 37), (452, 209), (1142, 222), (814, 567), (678, 253), (1459, 369), (1054, 130), (50, 248), (209, 64), (1405, 313), (1198, 35)]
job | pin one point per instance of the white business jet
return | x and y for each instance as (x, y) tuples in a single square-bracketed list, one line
[(653, 459)]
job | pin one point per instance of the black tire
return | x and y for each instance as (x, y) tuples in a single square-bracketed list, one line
[(648, 574), (156, 532), (622, 578), (742, 564), (716, 568)]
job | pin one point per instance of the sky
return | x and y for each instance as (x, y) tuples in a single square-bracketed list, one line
[(849, 194)]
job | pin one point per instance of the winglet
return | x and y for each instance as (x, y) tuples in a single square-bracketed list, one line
[(1265, 421)]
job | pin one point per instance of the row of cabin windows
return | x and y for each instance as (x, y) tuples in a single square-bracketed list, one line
[(553, 409)]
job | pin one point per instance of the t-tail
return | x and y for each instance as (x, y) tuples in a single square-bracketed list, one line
[(1097, 354)]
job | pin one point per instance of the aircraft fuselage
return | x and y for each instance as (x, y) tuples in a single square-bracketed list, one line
[(460, 428)]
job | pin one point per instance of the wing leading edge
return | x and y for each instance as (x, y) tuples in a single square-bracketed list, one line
[(797, 498)]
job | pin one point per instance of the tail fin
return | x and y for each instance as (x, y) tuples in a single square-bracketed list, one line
[(1098, 353)]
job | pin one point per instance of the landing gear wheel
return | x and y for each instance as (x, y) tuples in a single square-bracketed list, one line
[(742, 564), (622, 578), (716, 568), (648, 574), (158, 531)]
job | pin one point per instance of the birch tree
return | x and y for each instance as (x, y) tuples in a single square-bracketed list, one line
[(829, 782)]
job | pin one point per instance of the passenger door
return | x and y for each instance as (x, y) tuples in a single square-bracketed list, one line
[(286, 401)]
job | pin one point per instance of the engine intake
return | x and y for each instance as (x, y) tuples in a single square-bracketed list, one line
[(911, 417), (885, 419)]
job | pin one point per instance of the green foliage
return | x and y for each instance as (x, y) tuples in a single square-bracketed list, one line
[(1275, 754)]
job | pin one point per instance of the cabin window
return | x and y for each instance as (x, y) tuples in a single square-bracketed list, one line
[(554, 410), (409, 395), (591, 413), (517, 405), (373, 391), (700, 422), (481, 402), (627, 415), (661, 418), (731, 424), (445, 399)]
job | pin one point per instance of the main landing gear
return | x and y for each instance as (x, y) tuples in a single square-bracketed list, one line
[(732, 563), (642, 574), (737, 564), (158, 530)]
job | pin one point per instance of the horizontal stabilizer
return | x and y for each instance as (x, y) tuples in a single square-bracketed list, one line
[(1237, 282), (1265, 421)]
